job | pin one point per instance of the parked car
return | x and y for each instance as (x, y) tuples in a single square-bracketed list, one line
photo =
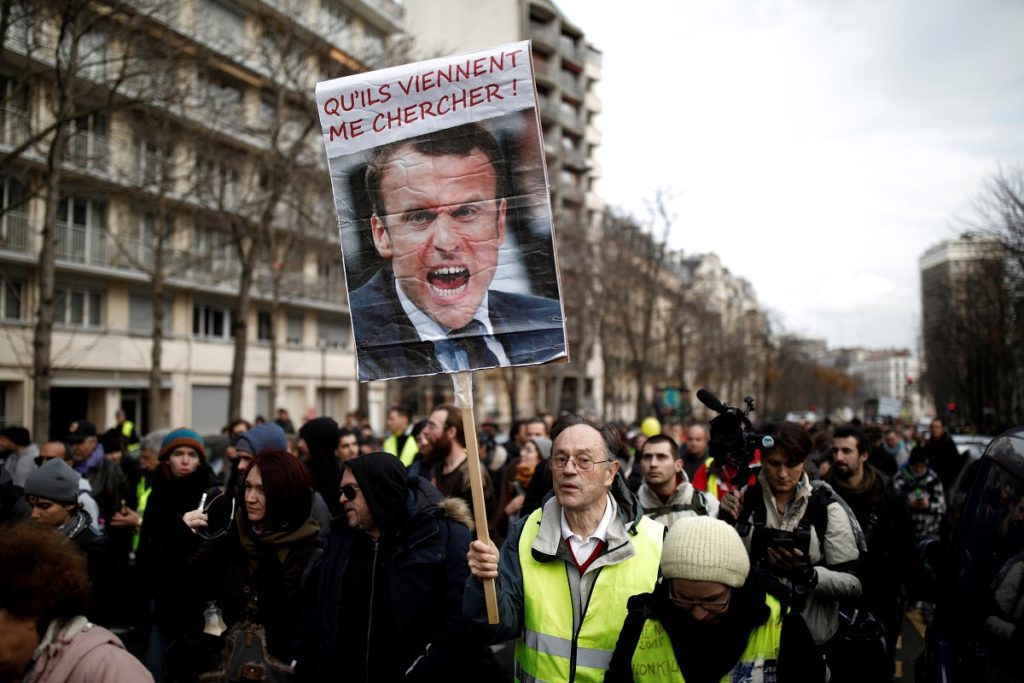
[(978, 627)]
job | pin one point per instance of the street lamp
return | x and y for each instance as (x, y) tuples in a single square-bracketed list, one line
[(323, 377)]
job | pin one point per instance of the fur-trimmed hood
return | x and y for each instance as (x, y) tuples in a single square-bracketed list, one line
[(456, 510)]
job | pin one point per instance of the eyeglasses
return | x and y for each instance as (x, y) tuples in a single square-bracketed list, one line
[(715, 607), (583, 463), (349, 491)]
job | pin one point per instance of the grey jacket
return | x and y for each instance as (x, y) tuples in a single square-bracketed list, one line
[(684, 503), (548, 547), (840, 549)]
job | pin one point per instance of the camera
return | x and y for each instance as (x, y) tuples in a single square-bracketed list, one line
[(734, 443), (764, 538)]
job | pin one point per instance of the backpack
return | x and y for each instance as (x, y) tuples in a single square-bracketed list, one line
[(698, 503), (816, 515), (245, 656)]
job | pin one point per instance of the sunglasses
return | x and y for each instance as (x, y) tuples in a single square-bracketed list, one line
[(349, 491)]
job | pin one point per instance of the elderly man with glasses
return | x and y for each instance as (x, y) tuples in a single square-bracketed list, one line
[(566, 572), (710, 619)]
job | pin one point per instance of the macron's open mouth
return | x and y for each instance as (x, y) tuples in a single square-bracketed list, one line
[(448, 281)]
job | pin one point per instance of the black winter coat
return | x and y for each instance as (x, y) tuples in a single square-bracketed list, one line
[(236, 568), (166, 545), (405, 594)]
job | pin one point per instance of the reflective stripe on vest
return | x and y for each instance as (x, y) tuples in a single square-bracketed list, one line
[(654, 660), (545, 651), (409, 449)]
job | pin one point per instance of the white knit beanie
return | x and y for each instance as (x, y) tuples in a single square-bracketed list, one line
[(704, 549)]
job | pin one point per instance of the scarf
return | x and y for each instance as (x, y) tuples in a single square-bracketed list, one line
[(867, 482)]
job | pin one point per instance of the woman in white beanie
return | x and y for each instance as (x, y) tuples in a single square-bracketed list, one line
[(710, 620)]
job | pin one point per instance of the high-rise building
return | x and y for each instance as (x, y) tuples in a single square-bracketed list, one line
[(968, 360), (188, 124), (567, 70)]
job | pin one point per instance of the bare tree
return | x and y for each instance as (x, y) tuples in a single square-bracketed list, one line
[(633, 268), (94, 56)]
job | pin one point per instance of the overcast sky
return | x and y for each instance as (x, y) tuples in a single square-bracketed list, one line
[(818, 147)]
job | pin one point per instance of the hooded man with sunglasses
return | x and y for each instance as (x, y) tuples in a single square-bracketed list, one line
[(389, 598)]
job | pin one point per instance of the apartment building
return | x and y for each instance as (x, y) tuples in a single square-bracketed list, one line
[(190, 140), (567, 69)]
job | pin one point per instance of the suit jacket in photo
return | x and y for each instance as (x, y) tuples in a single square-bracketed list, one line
[(529, 328)]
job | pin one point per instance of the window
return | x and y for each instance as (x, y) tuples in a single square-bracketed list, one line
[(209, 408), (13, 217), (153, 161), (77, 307), (218, 178), (12, 294), (140, 314), (212, 321), (222, 99), (221, 24), (373, 46), (264, 326), (87, 142), (81, 230), (293, 335), (14, 118), (212, 253), (334, 332)]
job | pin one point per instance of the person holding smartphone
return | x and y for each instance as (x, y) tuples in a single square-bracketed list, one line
[(809, 540)]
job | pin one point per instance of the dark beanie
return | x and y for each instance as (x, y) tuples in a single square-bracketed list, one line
[(182, 436), (55, 481), (262, 437), (19, 436), (383, 480)]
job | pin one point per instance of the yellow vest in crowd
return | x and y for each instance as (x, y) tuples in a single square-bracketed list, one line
[(654, 660), (409, 450), (547, 650)]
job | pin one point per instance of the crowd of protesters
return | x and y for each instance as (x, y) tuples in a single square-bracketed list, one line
[(334, 552)]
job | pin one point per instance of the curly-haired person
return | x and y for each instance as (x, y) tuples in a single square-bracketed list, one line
[(44, 590)]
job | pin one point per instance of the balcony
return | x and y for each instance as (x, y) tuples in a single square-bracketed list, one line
[(544, 34), (572, 121), (88, 151), (570, 83), (14, 231), (82, 244)]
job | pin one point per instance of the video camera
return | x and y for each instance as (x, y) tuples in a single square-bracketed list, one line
[(733, 440)]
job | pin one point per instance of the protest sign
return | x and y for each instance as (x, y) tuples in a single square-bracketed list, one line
[(441, 190)]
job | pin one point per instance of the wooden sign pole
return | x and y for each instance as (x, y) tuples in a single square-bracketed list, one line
[(464, 395)]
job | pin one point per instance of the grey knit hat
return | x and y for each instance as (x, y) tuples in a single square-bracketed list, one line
[(55, 481)]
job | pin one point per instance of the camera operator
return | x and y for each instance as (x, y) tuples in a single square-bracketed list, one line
[(799, 534)]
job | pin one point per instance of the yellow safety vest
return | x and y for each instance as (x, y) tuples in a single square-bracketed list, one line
[(127, 427), (142, 492), (654, 660), (712, 479), (409, 450), (548, 650)]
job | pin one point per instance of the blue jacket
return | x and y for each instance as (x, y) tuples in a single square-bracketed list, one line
[(529, 328)]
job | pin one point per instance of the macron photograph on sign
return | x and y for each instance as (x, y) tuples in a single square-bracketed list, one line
[(440, 185)]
